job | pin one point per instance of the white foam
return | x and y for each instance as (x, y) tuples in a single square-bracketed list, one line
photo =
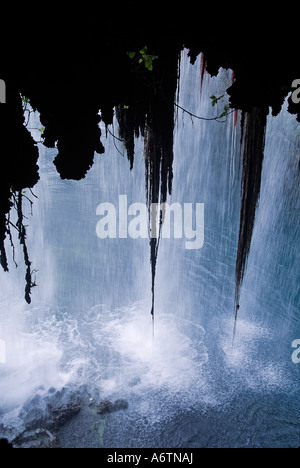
[(170, 358)]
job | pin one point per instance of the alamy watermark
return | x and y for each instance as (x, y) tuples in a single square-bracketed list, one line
[(162, 220), (296, 353), (2, 92), (296, 94)]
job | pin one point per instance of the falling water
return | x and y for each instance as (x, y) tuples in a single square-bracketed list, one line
[(89, 329)]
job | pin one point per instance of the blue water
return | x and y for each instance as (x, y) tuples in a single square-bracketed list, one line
[(89, 322)]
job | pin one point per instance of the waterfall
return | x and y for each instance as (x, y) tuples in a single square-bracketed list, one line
[(88, 330)]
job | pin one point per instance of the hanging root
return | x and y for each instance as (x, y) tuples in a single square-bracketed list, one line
[(22, 237), (253, 139), (3, 257)]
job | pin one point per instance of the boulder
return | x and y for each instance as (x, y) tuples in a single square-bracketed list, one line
[(38, 438), (107, 406)]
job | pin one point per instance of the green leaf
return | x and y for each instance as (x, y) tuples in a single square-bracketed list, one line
[(131, 54), (148, 61), (223, 113)]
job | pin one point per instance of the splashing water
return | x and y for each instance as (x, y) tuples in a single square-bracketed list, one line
[(89, 321)]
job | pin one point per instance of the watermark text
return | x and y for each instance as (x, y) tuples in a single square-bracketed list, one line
[(296, 353), (2, 92), (296, 94), (162, 220)]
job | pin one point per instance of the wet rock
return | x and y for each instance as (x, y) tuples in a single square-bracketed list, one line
[(106, 406), (62, 406), (33, 412), (38, 438), (62, 414), (50, 411)]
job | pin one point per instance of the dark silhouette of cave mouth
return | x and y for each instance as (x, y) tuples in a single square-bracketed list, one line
[(116, 64)]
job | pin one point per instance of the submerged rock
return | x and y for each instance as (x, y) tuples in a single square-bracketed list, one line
[(34, 412), (50, 411), (62, 414), (107, 406), (62, 406), (47, 417), (120, 405), (38, 438)]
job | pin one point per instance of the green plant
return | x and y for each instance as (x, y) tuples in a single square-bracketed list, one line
[(143, 57), (215, 100)]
